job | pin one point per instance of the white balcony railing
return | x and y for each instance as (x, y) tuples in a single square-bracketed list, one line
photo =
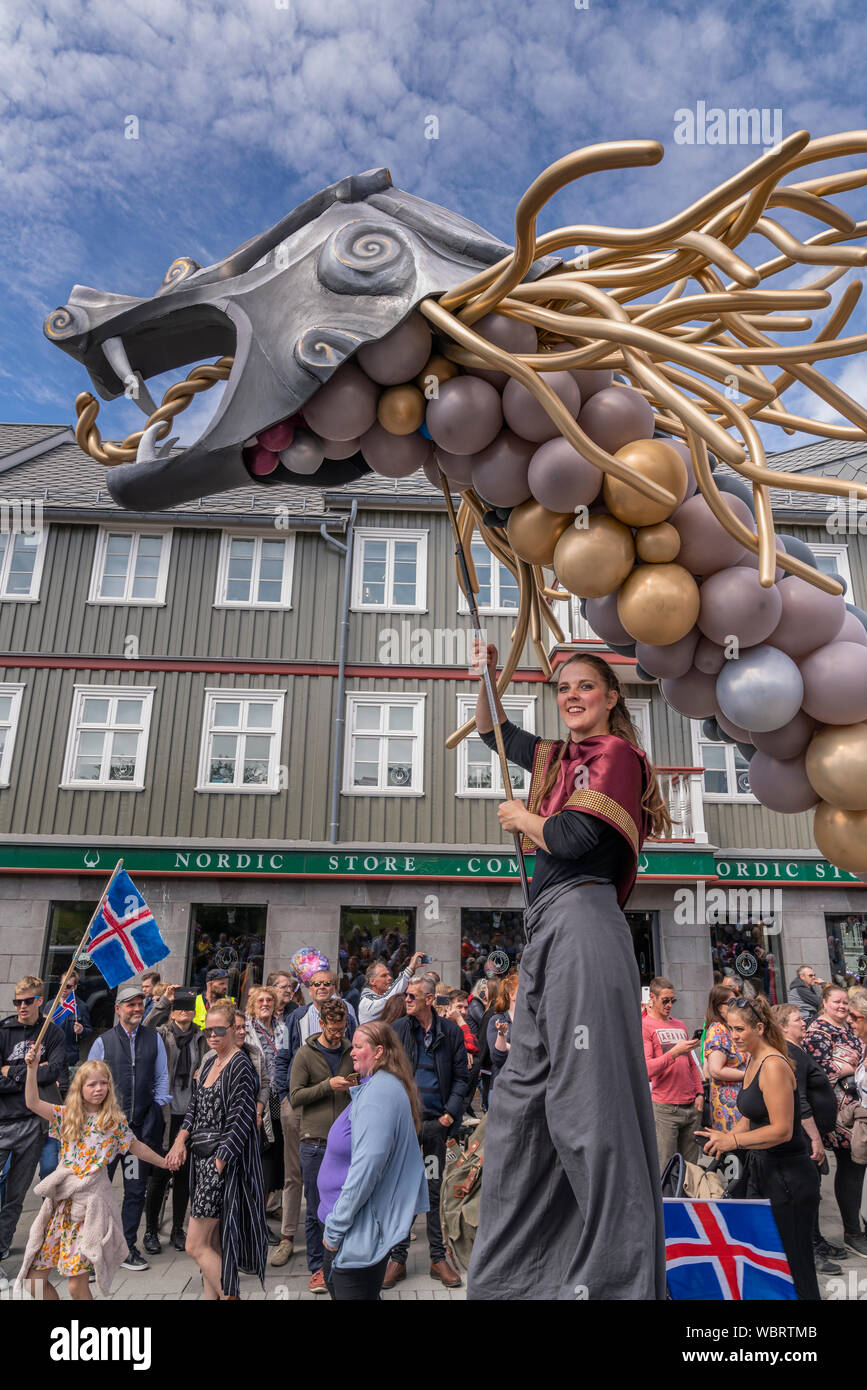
[(682, 789)]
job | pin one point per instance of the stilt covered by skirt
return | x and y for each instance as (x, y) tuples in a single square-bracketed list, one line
[(571, 1206)]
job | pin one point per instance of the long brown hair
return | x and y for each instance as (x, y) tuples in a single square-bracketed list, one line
[(394, 1060), (762, 1013), (619, 723)]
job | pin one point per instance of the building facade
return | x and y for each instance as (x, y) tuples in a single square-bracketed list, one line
[(248, 701)]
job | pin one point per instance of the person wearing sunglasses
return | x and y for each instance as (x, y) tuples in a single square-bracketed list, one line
[(227, 1227), (21, 1131), (676, 1085)]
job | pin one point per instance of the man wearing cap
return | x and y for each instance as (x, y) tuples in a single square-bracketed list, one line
[(136, 1057), (216, 987), (172, 1017)]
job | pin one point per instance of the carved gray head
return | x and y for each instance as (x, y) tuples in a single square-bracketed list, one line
[(344, 268)]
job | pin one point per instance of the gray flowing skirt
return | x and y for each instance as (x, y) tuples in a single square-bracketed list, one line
[(571, 1206)]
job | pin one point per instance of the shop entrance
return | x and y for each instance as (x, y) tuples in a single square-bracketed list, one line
[(483, 932)]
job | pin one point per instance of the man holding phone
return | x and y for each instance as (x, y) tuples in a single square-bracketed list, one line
[(381, 987), (676, 1085)]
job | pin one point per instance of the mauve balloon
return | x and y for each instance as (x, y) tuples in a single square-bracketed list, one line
[(736, 487), (340, 448), (510, 334), (761, 690), (394, 455), (852, 631), (616, 416), (601, 614), (500, 471), (345, 407), (692, 694), (781, 785), (527, 417), (670, 661), (458, 468), (705, 544), (683, 449), (789, 741), (561, 478), (810, 618), (304, 454), (709, 657), (835, 683), (751, 561), (734, 604), (466, 416), (588, 381), (733, 730), (400, 355)]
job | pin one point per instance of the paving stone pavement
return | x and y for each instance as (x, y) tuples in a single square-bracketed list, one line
[(175, 1276)]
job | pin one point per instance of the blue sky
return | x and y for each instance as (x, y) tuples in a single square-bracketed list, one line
[(244, 109)]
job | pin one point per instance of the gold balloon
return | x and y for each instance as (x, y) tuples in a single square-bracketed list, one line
[(401, 409), (842, 837), (657, 544), (658, 604), (593, 560), (534, 531), (653, 459), (836, 765), (439, 367)]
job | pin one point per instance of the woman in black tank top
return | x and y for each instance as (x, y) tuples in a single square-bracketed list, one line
[(770, 1130)]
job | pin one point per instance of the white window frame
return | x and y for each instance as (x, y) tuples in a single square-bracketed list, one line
[(126, 600), (416, 700), (226, 538), (272, 786), (639, 708), (497, 571), (383, 533), (739, 798), (840, 551), (38, 566), (466, 708), (80, 693), (17, 692)]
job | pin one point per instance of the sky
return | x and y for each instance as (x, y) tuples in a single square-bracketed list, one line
[(242, 110)]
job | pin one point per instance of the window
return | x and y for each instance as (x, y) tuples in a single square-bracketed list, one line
[(108, 736), (834, 559), (747, 945), (498, 588), (255, 572), (384, 748), (389, 932), (22, 556), (241, 741), (66, 924), (130, 567), (10, 708), (847, 947), (390, 570), (640, 711), (479, 766), (726, 770), (231, 938)]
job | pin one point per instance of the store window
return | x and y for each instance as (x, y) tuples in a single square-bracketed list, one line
[(377, 933), (749, 947), (66, 927), (847, 947), (231, 938), (484, 932)]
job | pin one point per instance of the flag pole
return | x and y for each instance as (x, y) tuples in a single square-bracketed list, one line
[(69, 969), (486, 677)]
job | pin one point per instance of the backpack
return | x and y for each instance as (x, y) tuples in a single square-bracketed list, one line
[(460, 1197)]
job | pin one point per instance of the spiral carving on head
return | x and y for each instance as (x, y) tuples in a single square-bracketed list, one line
[(321, 350), (366, 258), (180, 269), (63, 323)]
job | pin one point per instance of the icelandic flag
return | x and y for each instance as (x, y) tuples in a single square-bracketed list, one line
[(65, 1009), (124, 938), (724, 1251)]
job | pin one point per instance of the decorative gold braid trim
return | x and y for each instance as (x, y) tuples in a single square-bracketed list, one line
[(589, 799), (541, 763)]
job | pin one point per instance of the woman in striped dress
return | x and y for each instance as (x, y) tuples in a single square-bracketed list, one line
[(227, 1199)]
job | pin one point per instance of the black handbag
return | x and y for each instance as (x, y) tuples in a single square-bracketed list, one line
[(205, 1142)]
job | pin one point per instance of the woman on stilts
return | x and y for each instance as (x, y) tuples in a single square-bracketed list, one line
[(571, 1205)]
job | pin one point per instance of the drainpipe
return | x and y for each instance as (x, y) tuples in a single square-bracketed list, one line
[(339, 719)]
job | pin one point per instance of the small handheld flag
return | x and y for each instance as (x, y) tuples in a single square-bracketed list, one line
[(65, 1009), (124, 938), (725, 1250)]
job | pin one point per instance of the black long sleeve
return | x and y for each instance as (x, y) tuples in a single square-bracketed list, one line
[(519, 745)]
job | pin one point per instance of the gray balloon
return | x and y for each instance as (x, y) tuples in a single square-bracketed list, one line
[(705, 544), (761, 690), (781, 785), (669, 661), (736, 487), (458, 468), (345, 407), (527, 417), (709, 657), (788, 742), (835, 683), (561, 478), (852, 631), (746, 750), (588, 381), (304, 454), (751, 561), (693, 694), (641, 674), (734, 604), (734, 731), (394, 455), (466, 416), (799, 549), (810, 617), (710, 730), (601, 614), (340, 448), (512, 335), (615, 416), (857, 613), (500, 471), (400, 355), (681, 447)]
